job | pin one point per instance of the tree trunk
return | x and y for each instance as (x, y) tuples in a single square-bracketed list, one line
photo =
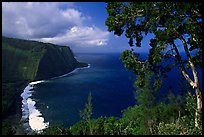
[(199, 107), (195, 83)]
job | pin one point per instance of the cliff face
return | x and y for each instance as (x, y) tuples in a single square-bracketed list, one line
[(31, 60), (24, 61), (56, 61)]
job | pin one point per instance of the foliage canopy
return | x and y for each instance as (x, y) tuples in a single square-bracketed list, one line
[(168, 22)]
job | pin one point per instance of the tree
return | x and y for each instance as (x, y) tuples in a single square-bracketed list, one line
[(168, 22), (86, 113)]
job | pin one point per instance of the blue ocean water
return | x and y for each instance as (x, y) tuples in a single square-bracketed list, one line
[(110, 84), (111, 87)]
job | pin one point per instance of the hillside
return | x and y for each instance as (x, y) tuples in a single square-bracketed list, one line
[(32, 60), (24, 61)]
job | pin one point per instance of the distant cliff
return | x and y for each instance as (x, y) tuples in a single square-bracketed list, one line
[(24, 61), (32, 60)]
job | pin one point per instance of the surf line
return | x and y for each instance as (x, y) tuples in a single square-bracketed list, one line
[(32, 117), (75, 70)]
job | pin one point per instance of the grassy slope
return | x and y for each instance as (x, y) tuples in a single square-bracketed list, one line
[(19, 65), (24, 61)]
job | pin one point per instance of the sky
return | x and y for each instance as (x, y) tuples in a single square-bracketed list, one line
[(79, 25)]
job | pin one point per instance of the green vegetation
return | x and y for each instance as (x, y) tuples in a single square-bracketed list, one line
[(148, 117), (55, 130), (169, 22), (32, 60), (18, 63), (24, 61), (86, 113), (141, 119), (7, 128), (153, 115)]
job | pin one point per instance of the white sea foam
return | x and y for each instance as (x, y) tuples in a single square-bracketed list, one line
[(36, 122), (36, 82), (30, 114), (89, 65), (75, 70)]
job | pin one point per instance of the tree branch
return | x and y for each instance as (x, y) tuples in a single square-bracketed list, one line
[(195, 75), (183, 70)]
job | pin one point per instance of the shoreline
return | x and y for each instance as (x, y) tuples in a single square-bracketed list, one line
[(15, 118), (73, 71), (31, 117), (29, 95)]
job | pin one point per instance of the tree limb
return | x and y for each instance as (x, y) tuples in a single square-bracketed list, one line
[(183, 70), (195, 75)]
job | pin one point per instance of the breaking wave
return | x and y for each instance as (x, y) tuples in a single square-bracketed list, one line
[(32, 117)]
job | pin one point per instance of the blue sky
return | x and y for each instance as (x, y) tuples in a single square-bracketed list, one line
[(80, 25)]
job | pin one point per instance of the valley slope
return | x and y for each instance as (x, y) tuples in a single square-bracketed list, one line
[(24, 61)]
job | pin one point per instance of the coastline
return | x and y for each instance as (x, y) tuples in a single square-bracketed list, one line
[(73, 71), (36, 59), (28, 94), (31, 117), (15, 118)]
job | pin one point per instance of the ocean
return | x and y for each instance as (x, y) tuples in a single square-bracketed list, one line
[(59, 100)]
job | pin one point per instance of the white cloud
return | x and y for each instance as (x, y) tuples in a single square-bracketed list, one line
[(74, 29), (55, 22), (80, 36)]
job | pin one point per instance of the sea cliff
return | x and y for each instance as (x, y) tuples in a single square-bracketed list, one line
[(24, 61)]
